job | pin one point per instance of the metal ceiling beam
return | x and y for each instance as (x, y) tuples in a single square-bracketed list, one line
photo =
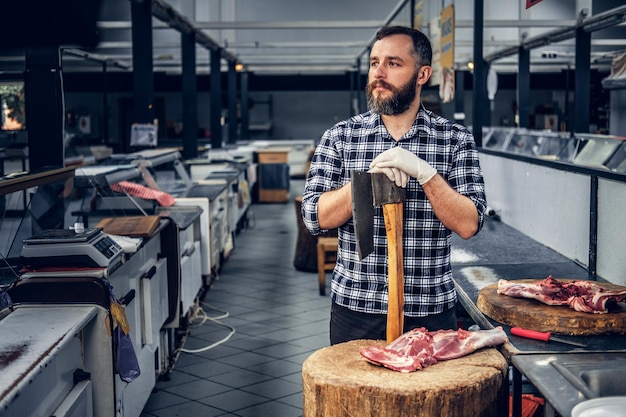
[(323, 60), (331, 45), (372, 24), (126, 24), (507, 23), (89, 56), (305, 44), (603, 20), (336, 24), (309, 59), (169, 15), (292, 24)]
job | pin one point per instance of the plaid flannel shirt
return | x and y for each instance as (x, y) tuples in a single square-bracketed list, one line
[(361, 285)]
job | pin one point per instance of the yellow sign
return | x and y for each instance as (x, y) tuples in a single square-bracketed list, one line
[(446, 27), (418, 14)]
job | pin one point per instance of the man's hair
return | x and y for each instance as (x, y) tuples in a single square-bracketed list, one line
[(422, 50)]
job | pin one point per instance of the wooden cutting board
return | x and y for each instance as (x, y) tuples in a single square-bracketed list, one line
[(532, 314), (133, 226)]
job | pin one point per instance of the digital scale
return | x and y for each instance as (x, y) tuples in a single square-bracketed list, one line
[(69, 248)]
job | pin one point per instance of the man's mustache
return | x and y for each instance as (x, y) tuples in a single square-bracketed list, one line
[(380, 83)]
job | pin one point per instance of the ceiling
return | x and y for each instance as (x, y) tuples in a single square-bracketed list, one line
[(329, 36)]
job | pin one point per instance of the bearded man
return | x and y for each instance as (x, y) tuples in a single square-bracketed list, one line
[(434, 158)]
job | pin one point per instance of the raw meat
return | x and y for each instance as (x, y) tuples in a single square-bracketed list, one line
[(580, 295), (419, 348)]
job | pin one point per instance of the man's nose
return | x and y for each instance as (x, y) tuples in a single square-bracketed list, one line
[(378, 71)]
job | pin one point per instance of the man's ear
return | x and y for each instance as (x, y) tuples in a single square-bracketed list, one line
[(424, 74)]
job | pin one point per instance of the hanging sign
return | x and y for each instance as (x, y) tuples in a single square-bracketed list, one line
[(446, 37), (418, 14), (143, 134)]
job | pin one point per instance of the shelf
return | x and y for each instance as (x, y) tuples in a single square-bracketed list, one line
[(21, 181)]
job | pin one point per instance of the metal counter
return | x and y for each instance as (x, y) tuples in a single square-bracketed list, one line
[(532, 358), (38, 361)]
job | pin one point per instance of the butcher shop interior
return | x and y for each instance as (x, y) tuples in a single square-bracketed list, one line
[(166, 252)]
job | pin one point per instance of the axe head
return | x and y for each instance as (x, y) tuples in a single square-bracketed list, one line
[(386, 191), (369, 191)]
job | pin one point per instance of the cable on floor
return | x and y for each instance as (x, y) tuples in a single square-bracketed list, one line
[(201, 315)]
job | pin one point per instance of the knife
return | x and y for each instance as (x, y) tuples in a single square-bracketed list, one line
[(545, 336)]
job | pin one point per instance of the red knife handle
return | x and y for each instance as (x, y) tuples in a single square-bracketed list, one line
[(531, 334)]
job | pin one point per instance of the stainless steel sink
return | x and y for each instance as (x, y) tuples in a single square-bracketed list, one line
[(594, 374)]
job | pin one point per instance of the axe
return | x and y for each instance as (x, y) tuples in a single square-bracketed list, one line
[(374, 190)]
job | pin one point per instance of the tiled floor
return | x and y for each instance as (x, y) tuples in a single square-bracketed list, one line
[(280, 319)]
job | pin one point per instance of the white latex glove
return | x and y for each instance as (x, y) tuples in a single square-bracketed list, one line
[(398, 164)]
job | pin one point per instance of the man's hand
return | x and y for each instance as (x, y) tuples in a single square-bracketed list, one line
[(398, 164)]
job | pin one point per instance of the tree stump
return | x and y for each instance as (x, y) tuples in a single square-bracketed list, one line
[(338, 382)]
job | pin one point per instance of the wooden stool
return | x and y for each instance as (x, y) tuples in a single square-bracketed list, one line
[(337, 381), (326, 258)]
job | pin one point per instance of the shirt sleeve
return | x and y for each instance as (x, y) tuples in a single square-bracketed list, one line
[(324, 175), (466, 175)]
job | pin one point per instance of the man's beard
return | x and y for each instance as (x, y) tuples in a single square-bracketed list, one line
[(400, 100)]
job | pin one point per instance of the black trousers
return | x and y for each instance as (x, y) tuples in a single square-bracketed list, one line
[(346, 324)]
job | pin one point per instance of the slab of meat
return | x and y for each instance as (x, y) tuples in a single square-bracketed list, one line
[(419, 348), (580, 295)]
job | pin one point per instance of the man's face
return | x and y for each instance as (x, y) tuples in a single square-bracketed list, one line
[(397, 101), (392, 79)]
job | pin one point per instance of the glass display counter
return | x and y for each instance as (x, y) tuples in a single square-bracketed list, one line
[(590, 150), (617, 162), (497, 138), (542, 144), (601, 151)]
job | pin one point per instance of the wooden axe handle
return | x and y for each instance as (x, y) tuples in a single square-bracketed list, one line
[(395, 310)]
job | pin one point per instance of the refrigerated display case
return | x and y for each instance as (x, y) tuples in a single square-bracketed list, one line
[(542, 144), (617, 162), (586, 149), (497, 138), (597, 150)]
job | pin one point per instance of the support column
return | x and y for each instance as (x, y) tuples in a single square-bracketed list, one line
[(459, 97), (523, 88), (43, 90), (189, 96), (233, 114), (105, 104), (480, 92), (143, 74), (359, 88), (216, 100), (245, 111), (583, 81), (353, 102)]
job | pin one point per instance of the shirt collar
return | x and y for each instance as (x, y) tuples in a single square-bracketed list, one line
[(418, 128)]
